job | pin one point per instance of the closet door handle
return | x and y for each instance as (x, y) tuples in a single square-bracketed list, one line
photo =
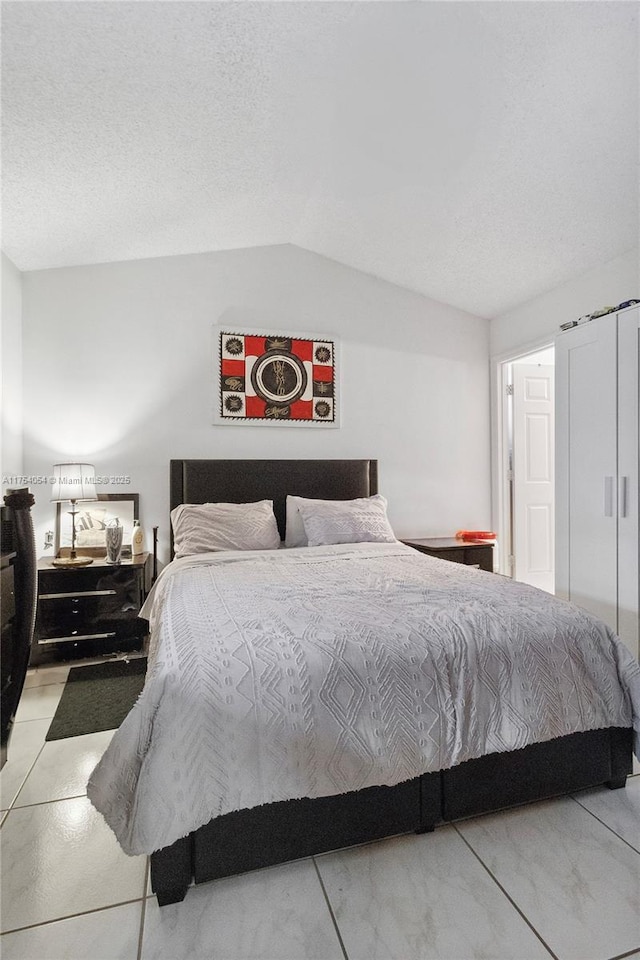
[(623, 484), (608, 496)]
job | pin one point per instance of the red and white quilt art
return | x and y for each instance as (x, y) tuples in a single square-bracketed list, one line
[(276, 379)]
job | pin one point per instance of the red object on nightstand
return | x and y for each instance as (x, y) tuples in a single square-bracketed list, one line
[(475, 535)]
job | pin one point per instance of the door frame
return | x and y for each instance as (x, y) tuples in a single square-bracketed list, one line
[(500, 490)]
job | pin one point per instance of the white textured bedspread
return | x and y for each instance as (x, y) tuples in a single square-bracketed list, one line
[(314, 671)]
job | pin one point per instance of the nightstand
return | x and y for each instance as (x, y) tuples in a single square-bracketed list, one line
[(90, 611), (474, 553)]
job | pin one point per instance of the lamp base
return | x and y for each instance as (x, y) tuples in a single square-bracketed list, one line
[(72, 561)]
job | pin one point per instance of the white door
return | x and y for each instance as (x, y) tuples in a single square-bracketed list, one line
[(533, 474), (628, 438), (586, 490)]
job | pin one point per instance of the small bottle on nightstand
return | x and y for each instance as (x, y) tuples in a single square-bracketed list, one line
[(137, 539)]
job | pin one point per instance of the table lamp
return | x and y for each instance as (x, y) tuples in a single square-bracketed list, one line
[(73, 482)]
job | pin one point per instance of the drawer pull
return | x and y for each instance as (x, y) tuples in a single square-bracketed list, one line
[(84, 636), (76, 594)]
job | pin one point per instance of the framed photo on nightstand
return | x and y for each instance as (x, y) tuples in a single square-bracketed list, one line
[(92, 518)]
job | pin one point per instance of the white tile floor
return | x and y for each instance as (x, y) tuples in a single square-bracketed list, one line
[(555, 879)]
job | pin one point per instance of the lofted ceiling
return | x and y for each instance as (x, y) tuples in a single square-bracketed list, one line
[(478, 152)]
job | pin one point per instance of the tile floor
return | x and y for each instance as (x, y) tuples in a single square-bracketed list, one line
[(555, 879)]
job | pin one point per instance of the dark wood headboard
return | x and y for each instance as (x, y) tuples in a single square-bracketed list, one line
[(245, 481)]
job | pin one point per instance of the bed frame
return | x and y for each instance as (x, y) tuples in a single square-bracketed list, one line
[(279, 832)]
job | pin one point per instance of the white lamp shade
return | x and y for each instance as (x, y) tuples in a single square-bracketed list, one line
[(73, 481)]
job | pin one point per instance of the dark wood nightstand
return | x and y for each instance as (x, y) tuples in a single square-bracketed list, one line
[(474, 553), (90, 611)]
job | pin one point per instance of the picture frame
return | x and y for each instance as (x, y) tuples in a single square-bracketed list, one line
[(91, 519), (275, 378)]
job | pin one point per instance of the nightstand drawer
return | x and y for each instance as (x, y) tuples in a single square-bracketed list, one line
[(7, 594), (481, 557), (86, 613), (454, 556), (91, 579), (6, 652)]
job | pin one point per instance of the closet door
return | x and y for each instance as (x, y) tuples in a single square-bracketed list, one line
[(586, 507), (628, 520)]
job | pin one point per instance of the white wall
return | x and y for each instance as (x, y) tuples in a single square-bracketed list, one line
[(11, 371), (119, 371), (540, 318)]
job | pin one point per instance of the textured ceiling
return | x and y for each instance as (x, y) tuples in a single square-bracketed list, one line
[(480, 153)]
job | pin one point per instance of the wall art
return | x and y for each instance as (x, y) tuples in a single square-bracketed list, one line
[(276, 378)]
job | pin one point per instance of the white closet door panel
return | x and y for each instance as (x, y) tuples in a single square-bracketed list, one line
[(628, 447), (586, 451)]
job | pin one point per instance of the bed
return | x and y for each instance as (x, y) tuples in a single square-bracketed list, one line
[(252, 836)]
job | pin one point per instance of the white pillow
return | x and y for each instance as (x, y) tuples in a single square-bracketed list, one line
[(294, 531), (346, 521), (209, 527)]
